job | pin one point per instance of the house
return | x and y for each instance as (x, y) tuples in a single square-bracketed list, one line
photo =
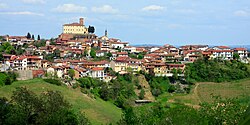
[(119, 65), (223, 54), (134, 64), (80, 72), (221, 48), (34, 62), (130, 49), (242, 52), (100, 53), (176, 66), (92, 64), (118, 45), (97, 72), (20, 63)]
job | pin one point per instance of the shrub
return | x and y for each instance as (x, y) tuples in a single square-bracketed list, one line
[(53, 81)]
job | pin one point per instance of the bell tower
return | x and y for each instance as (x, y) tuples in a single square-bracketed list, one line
[(106, 33), (81, 21)]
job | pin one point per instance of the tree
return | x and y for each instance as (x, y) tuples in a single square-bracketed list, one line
[(28, 35), (38, 37), (57, 53), (85, 53), (175, 74), (71, 73), (109, 54), (223, 111), (140, 56), (236, 56), (93, 53), (91, 29), (50, 107), (142, 94), (1, 57), (84, 82), (33, 37)]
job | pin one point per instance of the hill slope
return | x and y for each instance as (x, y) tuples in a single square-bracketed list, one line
[(97, 110), (203, 91)]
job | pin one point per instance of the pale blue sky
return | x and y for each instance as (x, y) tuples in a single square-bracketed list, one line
[(176, 22)]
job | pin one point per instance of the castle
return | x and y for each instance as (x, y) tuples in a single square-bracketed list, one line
[(75, 28)]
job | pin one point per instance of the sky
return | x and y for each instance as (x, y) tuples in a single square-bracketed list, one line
[(176, 22)]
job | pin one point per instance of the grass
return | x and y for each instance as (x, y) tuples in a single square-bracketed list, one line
[(202, 92), (97, 110)]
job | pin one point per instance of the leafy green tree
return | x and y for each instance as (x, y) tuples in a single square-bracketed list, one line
[(223, 111), (57, 53), (140, 56), (93, 53), (85, 53), (109, 54), (50, 107), (1, 57), (236, 56), (71, 73), (175, 74), (84, 82), (142, 94)]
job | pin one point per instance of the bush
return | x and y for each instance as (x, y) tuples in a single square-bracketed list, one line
[(84, 91), (7, 78), (53, 81)]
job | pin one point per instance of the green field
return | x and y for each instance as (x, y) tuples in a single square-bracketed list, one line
[(97, 110), (202, 92)]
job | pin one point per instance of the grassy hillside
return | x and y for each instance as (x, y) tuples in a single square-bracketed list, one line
[(97, 110), (202, 92)]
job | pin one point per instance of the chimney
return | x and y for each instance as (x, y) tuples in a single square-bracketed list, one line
[(81, 21)]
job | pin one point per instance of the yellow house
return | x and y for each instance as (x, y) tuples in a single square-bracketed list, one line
[(119, 65), (122, 65), (75, 28)]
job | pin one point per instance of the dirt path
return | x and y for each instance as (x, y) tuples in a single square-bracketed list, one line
[(194, 94)]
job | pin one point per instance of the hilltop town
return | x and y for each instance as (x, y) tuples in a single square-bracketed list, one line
[(78, 48)]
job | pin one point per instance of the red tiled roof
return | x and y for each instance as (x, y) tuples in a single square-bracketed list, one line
[(223, 47), (73, 24), (240, 49), (122, 53), (97, 69)]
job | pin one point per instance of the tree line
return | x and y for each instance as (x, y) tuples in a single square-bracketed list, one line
[(216, 70), (28, 108)]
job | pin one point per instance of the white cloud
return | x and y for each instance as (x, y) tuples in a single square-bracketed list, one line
[(22, 13), (241, 13), (104, 9), (3, 6), (34, 1), (70, 8), (153, 8)]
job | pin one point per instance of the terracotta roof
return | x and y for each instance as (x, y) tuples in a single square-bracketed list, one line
[(122, 53), (97, 69), (223, 47), (73, 24), (240, 49)]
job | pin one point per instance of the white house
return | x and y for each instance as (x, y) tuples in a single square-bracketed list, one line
[(242, 52), (97, 72)]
